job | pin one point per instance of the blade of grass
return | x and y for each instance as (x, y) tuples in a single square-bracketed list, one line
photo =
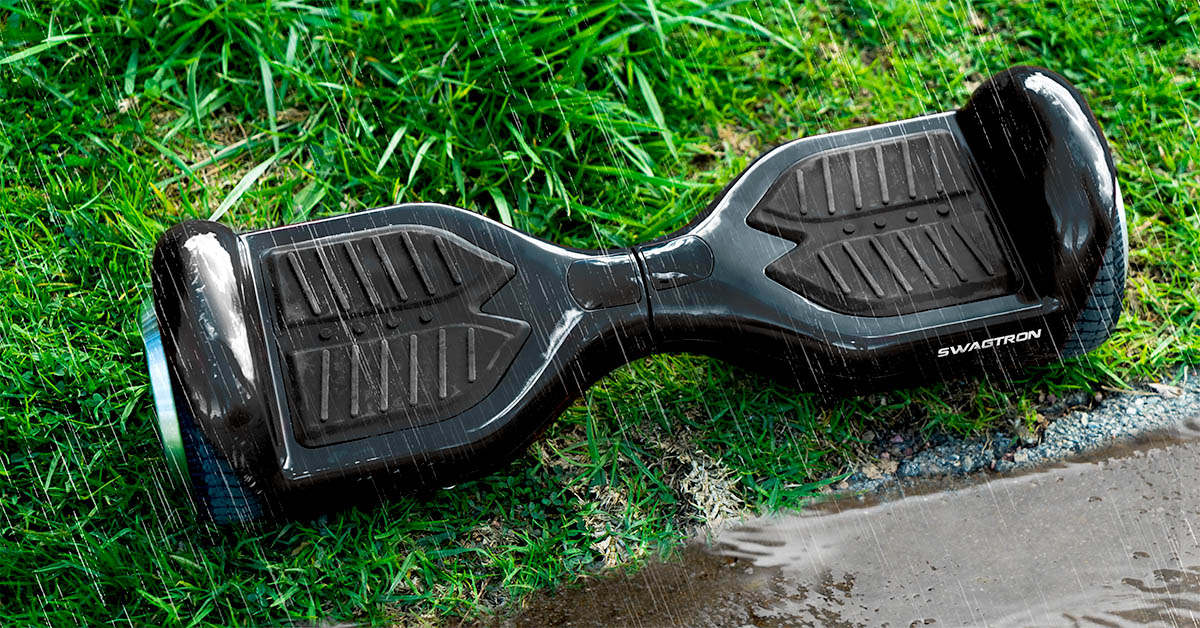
[(49, 43), (131, 71), (525, 148), (658, 30), (416, 164), (289, 61), (501, 206), (655, 109), (387, 152), (268, 82), (173, 158), (246, 182), (193, 97), (308, 198)]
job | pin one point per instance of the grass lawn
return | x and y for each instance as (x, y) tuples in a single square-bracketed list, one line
[(590, 125)]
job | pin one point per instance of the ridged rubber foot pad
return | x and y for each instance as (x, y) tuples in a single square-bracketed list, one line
[(885, 228), (383, 330)]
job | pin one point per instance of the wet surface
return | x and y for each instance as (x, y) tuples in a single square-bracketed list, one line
[(1110, 540)]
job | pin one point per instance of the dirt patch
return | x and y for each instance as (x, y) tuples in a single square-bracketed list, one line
[(227, 151), (737, 139), (707, 484), (697, 589)]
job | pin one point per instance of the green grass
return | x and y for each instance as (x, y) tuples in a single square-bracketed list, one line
[(591, 125)]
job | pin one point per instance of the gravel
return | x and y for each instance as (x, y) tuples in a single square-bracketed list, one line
[(1086, 423)]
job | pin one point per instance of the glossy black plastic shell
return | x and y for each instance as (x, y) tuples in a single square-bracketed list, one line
[(213, 344), (1039, 147)]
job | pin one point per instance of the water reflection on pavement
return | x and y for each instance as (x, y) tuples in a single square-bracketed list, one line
[(1106, 541)]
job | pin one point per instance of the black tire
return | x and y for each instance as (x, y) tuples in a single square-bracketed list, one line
[(220, 494), (1099, 316)]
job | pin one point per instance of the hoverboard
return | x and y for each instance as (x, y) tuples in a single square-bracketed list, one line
[(301, 368)]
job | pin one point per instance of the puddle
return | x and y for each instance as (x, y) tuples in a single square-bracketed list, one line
[(1110, 540)]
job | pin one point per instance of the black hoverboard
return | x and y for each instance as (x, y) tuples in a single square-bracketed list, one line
[(310, 366)]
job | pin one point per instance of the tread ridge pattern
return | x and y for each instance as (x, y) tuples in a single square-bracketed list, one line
[(363, 279), (418, 264), (899, 276), (386, 261), (305, 286), (219, 490), (363, 355), (833, 272), (886, 228), (884, 192), (1103, 307)]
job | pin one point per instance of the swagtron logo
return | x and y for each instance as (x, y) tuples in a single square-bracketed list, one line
[(990, 343)]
